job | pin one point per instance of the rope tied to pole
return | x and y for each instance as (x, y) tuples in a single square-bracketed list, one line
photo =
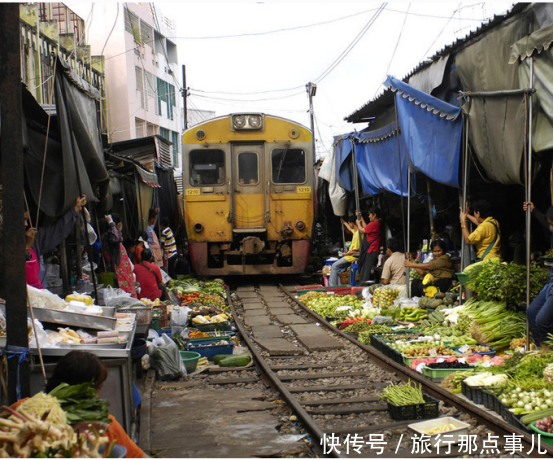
[(21, 353)]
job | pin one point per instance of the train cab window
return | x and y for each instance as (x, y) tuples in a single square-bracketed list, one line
[(248, 168), (207, 167), (288, 166)]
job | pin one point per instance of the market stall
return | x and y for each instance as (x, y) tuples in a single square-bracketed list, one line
[(477, 349), (58, 326)]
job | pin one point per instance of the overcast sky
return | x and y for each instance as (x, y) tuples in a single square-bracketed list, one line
[(258, 56)]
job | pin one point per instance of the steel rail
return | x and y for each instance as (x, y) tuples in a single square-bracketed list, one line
[(497, 425), (308, 421)]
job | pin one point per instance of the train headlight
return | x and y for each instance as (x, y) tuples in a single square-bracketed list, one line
[(255, 121), (239, 122), (247, 121), (300, 225)]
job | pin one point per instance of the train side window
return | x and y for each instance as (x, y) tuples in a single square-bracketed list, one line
[(248, 168), (288, 166), (207, 167)]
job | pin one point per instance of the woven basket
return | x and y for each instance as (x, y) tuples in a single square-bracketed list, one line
[(345, 277), (144, 315)]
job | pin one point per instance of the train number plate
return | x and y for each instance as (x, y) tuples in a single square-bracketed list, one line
[(193, 191), (303, 189)]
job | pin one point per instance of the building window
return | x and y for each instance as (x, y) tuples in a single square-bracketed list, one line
[(176, 139), (166, 98), (132, 24), (140, 128), (139, 76)]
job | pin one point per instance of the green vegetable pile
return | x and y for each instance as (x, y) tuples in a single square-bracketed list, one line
[(80, 403), (359, 326), (403, 394), (327, 306), (495, 281)]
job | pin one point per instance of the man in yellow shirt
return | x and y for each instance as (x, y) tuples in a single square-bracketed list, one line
[(342, 264), (486, 237)]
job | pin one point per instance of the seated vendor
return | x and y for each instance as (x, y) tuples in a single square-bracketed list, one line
[(343, 263), (440, 267), (394, 271)]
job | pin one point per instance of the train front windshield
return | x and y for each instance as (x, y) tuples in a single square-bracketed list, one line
[(207, 167), (288, 166)]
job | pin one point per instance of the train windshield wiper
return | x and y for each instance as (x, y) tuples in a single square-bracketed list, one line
[(282, 160)]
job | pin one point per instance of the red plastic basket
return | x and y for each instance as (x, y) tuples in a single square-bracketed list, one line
[(356, 289), (306, 288), (339, 290)]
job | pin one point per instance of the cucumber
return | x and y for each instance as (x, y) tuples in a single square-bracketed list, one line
[(534, 416), (235, 361), (217, 358)]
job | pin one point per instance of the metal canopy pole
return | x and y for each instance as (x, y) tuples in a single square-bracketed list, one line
[(465, 178), (529, 125), (404, 230)]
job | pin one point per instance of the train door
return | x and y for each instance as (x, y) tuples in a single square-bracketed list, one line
[(249, 213)]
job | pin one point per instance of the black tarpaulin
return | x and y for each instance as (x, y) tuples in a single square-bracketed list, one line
[(167, 195), (74, 156)]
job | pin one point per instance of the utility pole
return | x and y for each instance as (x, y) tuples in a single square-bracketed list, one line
[(184, 93), (311, 89), (13, 276)]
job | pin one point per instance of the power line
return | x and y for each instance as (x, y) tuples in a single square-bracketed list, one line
[(351, 46), (253, 34), (248, 100), (440, 33), (395, 48)]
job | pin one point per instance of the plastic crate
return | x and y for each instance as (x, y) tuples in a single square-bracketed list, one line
[(491, 401), (208, 340), (491, 351), (355, 289), (474, 394), (221, 326), (463, 278), (515, 421), (308, 288), (393, 354), (339, 290), (430, 409), (305, 291), (440, 373), (211, 350), (143, 315)]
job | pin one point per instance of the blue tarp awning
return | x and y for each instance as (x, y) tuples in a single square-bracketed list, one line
[(431, 130), (430, 142), (377, 161)]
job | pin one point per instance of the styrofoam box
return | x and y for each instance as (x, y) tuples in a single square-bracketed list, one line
[(442, 440)]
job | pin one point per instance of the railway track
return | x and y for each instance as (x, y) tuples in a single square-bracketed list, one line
[(332, 383)]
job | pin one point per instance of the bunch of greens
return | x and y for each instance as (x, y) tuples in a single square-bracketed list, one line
[(502, 282), (80, 403)]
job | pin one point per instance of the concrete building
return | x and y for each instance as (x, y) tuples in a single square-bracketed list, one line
[(47, 30), (141, 71)]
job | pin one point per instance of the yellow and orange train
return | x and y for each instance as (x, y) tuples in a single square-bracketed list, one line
[(249, 195)]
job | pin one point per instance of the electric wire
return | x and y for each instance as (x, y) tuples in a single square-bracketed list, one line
[(113, 27), (395, 48), (351, 46), (440, 33)]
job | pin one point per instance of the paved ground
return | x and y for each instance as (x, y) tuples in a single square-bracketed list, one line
[(185, 419)]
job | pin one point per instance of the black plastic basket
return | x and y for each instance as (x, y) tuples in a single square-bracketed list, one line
[(393, 354), (376, 343), (491, 401), (514, 420), (430, 409), (474, 394)]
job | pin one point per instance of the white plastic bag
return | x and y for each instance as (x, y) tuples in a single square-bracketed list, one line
[(179, 319), (43, 298), (166, 359), (113, 296)]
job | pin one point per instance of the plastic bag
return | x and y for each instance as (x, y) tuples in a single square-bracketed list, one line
[(166, 360), (43, 298), (179, 319), (119, 298)]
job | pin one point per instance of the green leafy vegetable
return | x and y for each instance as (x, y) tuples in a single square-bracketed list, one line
[(80, 403)]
